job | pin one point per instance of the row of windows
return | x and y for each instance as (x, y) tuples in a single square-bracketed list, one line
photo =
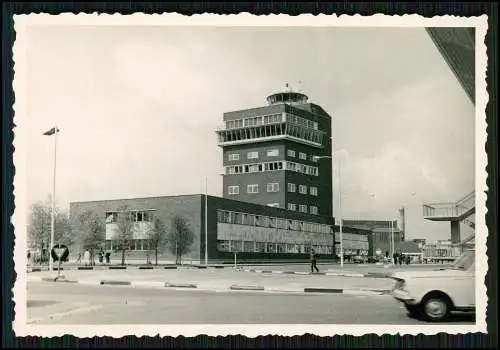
[(261, 120), (254, 188), (287, 130), (272, 166), (301, 121), (303, 208), (136, 216), (271, 153), (133, 244), (266, 247), (230, 217), (254, 154), (272, 187), (271, 119), (302, 155), (302, 189), (254, 168)]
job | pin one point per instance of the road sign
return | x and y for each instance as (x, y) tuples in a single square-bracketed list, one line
[(59, 252)]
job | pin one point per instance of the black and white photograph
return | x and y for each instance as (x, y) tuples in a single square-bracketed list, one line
[(249, 175)]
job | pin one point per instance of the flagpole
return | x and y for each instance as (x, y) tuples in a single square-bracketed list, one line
[(206, 222), (52, 226)]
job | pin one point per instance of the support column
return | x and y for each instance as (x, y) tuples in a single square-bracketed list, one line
[(455, 231)]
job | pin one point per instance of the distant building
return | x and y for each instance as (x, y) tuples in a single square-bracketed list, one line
[(419, 241), (380, 239)]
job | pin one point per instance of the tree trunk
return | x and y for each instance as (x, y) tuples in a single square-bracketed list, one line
[(123, 257), (156, 256)]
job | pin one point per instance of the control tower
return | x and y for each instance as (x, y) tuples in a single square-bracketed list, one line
[(269, 154)]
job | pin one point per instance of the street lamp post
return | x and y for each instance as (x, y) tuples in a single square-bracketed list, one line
[(206, 221), (54, 131), (339, 213)]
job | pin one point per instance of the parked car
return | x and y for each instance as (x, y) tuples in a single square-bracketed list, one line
[(434, 294)]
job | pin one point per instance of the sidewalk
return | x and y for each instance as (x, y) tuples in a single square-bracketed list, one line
[(223, 280)]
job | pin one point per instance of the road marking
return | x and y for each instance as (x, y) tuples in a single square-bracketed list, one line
[(66, 313), (360, 292), (352, 275), (90, 282), (147, 284)]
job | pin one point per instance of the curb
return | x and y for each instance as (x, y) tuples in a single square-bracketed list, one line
[(338, 274), (234, 287), (140, 267), (253, 288)]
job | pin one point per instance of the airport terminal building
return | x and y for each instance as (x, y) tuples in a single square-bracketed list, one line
[(253, 231), (277, 191)]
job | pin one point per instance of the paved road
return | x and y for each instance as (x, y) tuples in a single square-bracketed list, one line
[(347, 267), (57, 303), (225, 278)]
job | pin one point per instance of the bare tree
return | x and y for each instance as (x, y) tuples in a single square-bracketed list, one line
[(125, 225), (180, 238), (39, 228), (94, 233), (156, 236)]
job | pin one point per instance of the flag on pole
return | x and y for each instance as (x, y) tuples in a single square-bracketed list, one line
[(51, 131)]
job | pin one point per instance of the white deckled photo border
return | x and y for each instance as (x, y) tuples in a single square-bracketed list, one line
[(21, 22)]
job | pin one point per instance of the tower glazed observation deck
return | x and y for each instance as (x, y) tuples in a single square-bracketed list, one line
[(282, 125)]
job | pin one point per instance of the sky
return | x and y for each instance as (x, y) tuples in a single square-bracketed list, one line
[(138, 108)]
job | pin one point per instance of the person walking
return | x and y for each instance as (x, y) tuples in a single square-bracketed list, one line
[(101, 257), (395, 258), (313, 261), (86, 257), (108, 257), (79, 258)]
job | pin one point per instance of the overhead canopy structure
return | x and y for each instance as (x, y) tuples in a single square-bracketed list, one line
[(457, 46)]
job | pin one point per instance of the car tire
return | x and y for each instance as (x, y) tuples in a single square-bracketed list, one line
[(414, 310), (436, 308)]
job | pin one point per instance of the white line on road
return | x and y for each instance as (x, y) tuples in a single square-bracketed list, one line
[(361, 292), (90, 282), (147, 284), (66, 313)]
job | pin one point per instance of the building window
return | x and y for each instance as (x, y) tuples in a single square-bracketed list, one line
[(253, 188), (224, 246), (313, 191), (254, 168), (234, 156), (252, 155), (291, 153), (303, 189), (260, 247), (313, 209), (303, 208), (315, 125), (302, 156), (274, 205), (292, 206), (273, 187), (291, 187), (111, 217), (233, 189), (273, 152)]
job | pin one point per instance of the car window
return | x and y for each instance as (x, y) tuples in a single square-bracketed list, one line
[(465, 261)]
